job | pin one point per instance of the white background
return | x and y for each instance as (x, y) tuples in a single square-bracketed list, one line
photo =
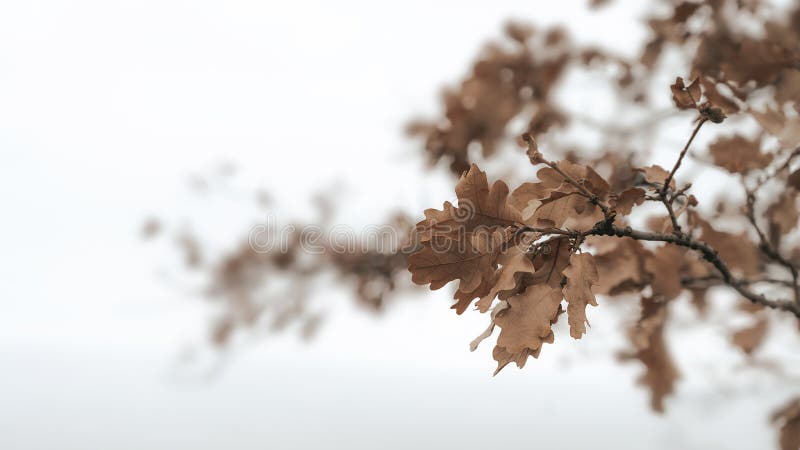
[(106, 109)]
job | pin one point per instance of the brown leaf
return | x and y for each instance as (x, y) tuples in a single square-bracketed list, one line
[(787, 130), (581, 274), (699, 300), (489, 206), (463, 243), (738, 154), (783, 216), (507, 278), (464, 298), (759, 60), (503, 357), (150, 228), (527, 197), (651, 349), (716, 98), (684, 10), (526, 323), (572, 211), (788, 88), (657, 175), (750, 338), (585, 175), (738, 251), (685, 97), (788, 418), (620, 265), (624, 202), (552, 186), (794, 179), (479, 207), (550, 264), (665, 268), (471, 261)]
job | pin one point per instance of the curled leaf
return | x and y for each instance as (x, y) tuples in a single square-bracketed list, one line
[(748, 339), (656, 175), (685, 97), (526, 323), (581, 274), (738, 154)]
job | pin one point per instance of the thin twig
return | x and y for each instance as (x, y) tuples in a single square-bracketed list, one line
[(680, 158), (761, 181), (667, 201), (594, 198), (766, 246), (716, 280)]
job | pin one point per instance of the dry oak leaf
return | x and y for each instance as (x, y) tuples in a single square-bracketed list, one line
[(738, 154), (786, 129), (660, 224), (527, 197), (624, 202), (491, 206), (550, 263), (438, 223), (661, 373), (570, 210), (794, 179), (653, 316), (581, 274), (750, 338), (509, 245), (656, 174), (783, 216), (760, 60), (515, 263), (584, 175), (738, 251), (788, 418), (685, 97), (651, 349), (469, 260), (478, 207), (620, 264), (527, 322), (716, 98), (462, 243), (504, 358), (788, 86), (665, 267), (464, 299)]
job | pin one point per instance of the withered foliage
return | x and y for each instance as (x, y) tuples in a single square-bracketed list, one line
[(505, 82), (563, 240), (788, 419), (249, 281), (572, 237)]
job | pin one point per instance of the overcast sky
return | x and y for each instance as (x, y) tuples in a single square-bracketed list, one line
[(108, 107)]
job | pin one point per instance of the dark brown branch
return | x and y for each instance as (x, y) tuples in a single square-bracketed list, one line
[(716, 280), (663, 195), (667, 201), (708, 253)]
